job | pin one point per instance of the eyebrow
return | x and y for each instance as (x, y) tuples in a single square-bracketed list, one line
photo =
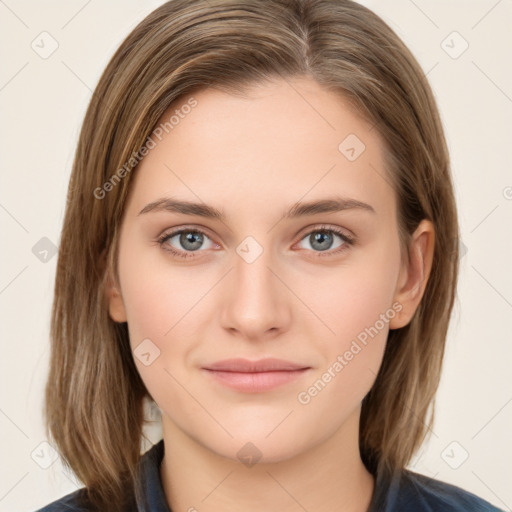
[(328, 205)]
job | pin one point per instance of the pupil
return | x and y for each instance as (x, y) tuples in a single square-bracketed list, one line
[(187, 241), (320, 237)]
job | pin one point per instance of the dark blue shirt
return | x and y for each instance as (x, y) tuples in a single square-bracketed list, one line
[(403, 491)]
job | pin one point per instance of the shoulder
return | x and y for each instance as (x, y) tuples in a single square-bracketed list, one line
[(444, 496), (412, 491), (148, 482), (74, 502)]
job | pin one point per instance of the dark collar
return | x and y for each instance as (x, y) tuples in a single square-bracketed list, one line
[(151, 494), (401, 490)]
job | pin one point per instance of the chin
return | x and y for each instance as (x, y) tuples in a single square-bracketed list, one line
[(257, 447)]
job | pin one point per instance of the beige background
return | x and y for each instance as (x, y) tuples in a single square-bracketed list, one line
[(43, 101)]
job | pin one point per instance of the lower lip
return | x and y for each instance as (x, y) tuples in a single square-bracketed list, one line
[(256, 382)]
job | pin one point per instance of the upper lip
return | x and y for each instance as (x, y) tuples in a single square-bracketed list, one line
[(262, 365)]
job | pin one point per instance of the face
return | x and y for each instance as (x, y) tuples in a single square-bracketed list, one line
[(263, 276)]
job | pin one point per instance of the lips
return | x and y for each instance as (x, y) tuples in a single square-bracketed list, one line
[(246, 366), (248, 376)]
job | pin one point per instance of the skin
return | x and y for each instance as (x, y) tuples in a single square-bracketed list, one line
[(254, 157)]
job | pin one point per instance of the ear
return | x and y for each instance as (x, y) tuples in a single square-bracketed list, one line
[(113, 296), (414, 274)]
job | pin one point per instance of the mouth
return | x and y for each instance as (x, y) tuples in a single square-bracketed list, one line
[(255, 376)]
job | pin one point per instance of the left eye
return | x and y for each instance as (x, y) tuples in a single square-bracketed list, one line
[(321, 240)]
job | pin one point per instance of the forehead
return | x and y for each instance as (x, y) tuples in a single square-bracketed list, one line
[(275, 144)]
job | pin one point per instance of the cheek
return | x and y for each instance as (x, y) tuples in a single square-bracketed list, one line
[(351, 357), (158, 298), (356, 313), (356, 299), (165, 314)]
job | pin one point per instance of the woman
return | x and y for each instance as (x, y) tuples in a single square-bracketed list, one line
[(269, 254)]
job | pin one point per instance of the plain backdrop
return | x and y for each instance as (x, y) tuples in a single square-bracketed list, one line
[(464, 47)]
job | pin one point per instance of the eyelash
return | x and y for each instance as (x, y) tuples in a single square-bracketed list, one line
[(348, 241)]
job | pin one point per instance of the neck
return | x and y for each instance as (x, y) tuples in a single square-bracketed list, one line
[(329, 476)]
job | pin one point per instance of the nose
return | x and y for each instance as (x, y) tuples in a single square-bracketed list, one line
[(256, 303)]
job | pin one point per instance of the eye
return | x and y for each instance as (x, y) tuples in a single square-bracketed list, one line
[(323, 241), (184, 242), (187, 240)]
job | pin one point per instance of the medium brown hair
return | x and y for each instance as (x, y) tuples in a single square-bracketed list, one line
[(94, 394)]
